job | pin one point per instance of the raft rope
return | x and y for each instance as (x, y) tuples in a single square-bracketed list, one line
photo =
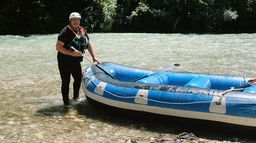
[(250, 82), (170, 103), (227, 91)]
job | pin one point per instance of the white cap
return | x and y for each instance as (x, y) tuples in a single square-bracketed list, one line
[(74, 15)]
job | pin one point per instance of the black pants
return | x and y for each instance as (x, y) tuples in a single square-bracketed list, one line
[(66, 69)]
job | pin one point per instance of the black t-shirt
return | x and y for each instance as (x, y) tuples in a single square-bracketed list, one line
[(68, 37)]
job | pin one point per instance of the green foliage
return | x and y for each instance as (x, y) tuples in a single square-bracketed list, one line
[(49, 16), (140, 18), (140, 10), (108, 9), (230, 15), (167, 16)]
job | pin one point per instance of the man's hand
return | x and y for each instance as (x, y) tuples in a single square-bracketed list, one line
[(95, 61), (251, 81), (77, 53)]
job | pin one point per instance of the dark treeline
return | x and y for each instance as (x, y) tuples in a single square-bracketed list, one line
[(164, 16)]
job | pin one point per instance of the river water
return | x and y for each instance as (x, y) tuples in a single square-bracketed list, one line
[(31, 108)]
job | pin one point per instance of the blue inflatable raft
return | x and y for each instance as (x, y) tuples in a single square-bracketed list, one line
[(220, 98)]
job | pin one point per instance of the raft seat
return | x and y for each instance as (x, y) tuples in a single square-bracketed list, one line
[(157, 78), (199, 82), (251, 89)]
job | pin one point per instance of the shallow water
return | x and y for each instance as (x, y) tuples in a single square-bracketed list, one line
[(31, 106)]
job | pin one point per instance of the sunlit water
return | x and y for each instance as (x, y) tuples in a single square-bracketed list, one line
[(31, 107)]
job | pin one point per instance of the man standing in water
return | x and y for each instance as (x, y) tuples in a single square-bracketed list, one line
[(71, 43)]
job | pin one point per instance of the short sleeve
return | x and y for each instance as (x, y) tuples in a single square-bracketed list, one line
[(63, 36)]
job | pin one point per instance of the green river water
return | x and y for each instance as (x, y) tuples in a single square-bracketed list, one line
[(31, 108)]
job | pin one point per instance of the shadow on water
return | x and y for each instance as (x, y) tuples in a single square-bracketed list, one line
[(53, 111), (166, 124)]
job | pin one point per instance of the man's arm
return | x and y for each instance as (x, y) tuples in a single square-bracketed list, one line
[(90, 50), (60, 48)]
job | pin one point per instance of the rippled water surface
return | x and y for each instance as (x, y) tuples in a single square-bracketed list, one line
[(31, 107)]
